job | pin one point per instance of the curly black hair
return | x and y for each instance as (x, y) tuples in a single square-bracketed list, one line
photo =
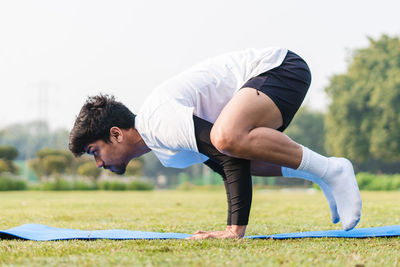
[(97, 116)]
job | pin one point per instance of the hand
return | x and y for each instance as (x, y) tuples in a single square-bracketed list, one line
[(228, 227), (234, 231), (213, 234)]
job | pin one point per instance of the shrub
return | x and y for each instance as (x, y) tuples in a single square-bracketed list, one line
[(368, 181), (121, 185), (89, 169), (140, 186), (104, 185), (112, 185), (396, 183), (364, 179), (84, 185), (59, 184), (378, 184), (117, 185), (7, 183)]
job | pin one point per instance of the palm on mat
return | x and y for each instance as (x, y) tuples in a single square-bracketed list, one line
[(227, 233)]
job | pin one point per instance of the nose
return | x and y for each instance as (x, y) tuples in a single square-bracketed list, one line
[(99, 162)]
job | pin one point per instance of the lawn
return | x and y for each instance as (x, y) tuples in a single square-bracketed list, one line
[(185, 212)]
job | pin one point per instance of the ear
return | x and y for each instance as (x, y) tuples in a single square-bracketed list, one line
[(116, 134)]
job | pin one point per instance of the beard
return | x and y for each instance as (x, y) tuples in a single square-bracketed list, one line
[(120, 169)]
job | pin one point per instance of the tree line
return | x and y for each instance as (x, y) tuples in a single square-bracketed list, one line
[(361, 123)]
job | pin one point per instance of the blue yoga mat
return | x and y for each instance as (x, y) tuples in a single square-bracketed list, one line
[(39, 232)]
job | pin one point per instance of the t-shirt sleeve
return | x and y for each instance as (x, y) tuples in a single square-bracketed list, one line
[(168, 130)]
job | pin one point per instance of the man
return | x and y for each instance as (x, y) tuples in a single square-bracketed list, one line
[(228, 112)]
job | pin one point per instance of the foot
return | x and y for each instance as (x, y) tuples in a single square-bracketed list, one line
[(330, 198), (342, 182), (288, 172)]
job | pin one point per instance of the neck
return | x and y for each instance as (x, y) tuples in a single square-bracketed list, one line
[(137, 145)]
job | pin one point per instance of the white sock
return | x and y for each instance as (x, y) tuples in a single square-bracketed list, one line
[(291, 173), (339, 175), (313, 163)]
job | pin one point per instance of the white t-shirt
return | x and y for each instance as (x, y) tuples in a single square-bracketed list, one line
[(165, 120)]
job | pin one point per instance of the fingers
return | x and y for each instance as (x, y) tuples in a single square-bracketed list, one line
[(199, 236), (215, 234), (204, 232)]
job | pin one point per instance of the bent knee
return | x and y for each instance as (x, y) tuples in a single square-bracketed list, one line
[(227, 142)]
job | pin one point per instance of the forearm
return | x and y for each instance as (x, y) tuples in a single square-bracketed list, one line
[(218, 169), (239, 185), (235, 172)]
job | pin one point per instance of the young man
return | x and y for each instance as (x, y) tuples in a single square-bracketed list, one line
[(228, 112)]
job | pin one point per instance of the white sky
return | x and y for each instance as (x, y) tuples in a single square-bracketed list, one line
[(53, 54)]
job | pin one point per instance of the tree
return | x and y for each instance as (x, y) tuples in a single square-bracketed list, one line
[(308, 129), (4, 167), (363, 119), (33, 136), (52, 161), (8, 152), (7, 155), (54, 164), (89, 169), (45, 152)]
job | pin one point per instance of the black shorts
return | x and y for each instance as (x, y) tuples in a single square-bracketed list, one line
[(286, 85)]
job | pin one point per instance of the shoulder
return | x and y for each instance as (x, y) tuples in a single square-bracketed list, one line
[(167, 129), (164, 123)]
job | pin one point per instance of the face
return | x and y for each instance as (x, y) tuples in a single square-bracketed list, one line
[(124, 145), (109, 156)]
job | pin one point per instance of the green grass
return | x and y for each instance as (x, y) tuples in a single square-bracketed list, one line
[(178, 211)]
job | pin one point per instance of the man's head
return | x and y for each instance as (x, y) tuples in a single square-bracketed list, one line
[(105, 128)]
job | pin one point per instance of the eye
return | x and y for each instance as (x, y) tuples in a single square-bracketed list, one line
[(93, 152)]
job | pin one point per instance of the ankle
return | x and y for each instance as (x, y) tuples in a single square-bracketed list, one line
[(313, 163)]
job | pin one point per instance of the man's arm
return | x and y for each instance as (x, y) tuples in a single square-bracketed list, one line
[(218, 169), (235, 171)]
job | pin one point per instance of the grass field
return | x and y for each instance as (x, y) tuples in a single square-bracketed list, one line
[(187, 211)]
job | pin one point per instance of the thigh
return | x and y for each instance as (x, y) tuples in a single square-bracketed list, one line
[(280, 92), (247, 110)]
